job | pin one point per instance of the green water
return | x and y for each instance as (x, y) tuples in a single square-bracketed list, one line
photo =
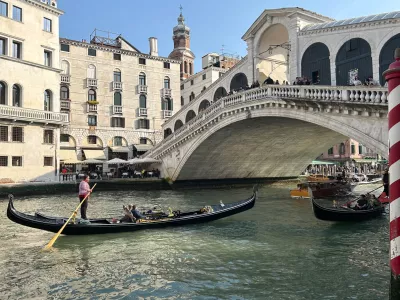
[(277, 250)]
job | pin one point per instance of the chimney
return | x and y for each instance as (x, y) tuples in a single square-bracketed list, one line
[(153, 46)]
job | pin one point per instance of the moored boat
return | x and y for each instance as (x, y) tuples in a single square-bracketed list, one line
[(321, 189), (102, 226)]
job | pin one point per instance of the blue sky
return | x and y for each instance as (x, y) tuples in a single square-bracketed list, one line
[(213, 23)]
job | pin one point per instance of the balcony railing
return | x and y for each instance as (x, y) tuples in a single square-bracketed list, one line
[(91, 83), (26, 114), (117, 86), (117, 109), (167, 114), (66, 79), (92, 108), (65, 105), (142, 89), (166, 93), (142, 112)]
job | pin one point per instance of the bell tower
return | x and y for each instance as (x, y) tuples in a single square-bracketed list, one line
[(182, 52)]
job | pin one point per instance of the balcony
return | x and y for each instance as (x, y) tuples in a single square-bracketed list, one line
[(32, 115), (167, 114), (65, 105), (117, 110), (65, 79), (166, 93), (117, 86), (91, 83), (92, 108), (142, 89), (142, 112)]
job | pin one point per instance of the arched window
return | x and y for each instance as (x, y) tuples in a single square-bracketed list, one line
[(190, 69), (47, 101), (181, 68), (16, 96), (342, 149), (192, 96), (117, 75), (182, 101), (3, 93), (186, 70), (91, 72), (65, 67), (167, 83), (167, 104), (64, 93), (204, 88), (142, 79), (117, 99), (142, 101), (92, 95)]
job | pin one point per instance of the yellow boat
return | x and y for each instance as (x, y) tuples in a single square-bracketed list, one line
[(300, 192)]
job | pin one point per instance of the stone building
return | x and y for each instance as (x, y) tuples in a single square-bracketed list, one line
[(117, 97), (30, 116)]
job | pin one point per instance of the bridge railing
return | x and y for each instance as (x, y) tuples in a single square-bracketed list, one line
[(339, 94)]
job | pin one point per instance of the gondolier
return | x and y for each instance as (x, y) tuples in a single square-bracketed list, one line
[(84, 190), (385, 180)]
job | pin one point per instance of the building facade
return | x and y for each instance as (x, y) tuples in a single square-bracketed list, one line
[(349, 150), (116, 96), (30, 117)]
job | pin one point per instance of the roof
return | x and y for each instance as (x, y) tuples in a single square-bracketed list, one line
[(133, 47), (357, 20)]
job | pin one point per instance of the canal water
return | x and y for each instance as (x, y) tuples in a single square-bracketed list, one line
[(277, 250)]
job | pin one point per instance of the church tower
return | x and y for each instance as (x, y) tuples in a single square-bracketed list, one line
[(182, 50)]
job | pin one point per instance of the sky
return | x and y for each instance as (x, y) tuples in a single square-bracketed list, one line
[(213, 23)]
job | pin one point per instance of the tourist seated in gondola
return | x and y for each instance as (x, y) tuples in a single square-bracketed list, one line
[(362, 203), (136, 213), (128, 217)]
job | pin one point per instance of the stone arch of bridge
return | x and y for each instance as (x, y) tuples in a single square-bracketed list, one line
[(178, 124), (259, 137), (203, 105)]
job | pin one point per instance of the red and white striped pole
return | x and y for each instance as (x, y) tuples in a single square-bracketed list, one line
[(392, 75)]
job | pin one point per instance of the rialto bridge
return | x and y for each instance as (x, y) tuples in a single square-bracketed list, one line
[(276, 130)]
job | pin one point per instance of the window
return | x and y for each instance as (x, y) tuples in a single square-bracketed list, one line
[(3, 9), (3, 47), (17, 13), (142, 101), (166, 104), (17, 134), (65, 47), (64, 93), (204, 76), (46, 24), (353, 149), (117, 56), (92, 120), (3, 161), (142, 79), (92, 52), (330, 151), (64, 138), (144, 124), (186, 70), (118, 141), (117, 76), (92, 139), (360, 149), (48, 136), (117, 99), (182, 87), (16, 161), (2, 93), (142, 61), (191, 82), (47, 101), (190, 69), (48, 161), (118, 122), (65, 67), (91, 72), (192, 96), (166, 83), (167, 65), (16, 53), (47, 58), (92, 95), (16, 95), (182, 101), (204, 88), (3, 133), (143, 141)]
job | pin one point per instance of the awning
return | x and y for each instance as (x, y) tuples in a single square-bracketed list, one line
[(320, 162), (95, 154), (67, 154), (143, 147), (364, 160), (120, 149)]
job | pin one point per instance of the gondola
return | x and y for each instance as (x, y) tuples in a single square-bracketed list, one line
[(103, 226), (344, 214)]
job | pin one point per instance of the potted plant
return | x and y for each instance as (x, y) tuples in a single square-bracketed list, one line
[(93, 102)]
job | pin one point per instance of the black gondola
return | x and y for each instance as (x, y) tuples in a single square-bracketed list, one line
[(102, 226), (344, 214)]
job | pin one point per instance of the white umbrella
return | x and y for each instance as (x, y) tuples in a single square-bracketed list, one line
[(92, 161), (116, 161), (134, 161), (149, 160)]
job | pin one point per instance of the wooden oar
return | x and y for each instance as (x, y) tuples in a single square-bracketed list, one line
[(53, 240)]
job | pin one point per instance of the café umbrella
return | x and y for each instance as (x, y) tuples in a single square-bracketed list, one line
[(116, 161)]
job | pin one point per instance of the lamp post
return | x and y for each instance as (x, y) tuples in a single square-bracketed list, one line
[(392, 76)]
